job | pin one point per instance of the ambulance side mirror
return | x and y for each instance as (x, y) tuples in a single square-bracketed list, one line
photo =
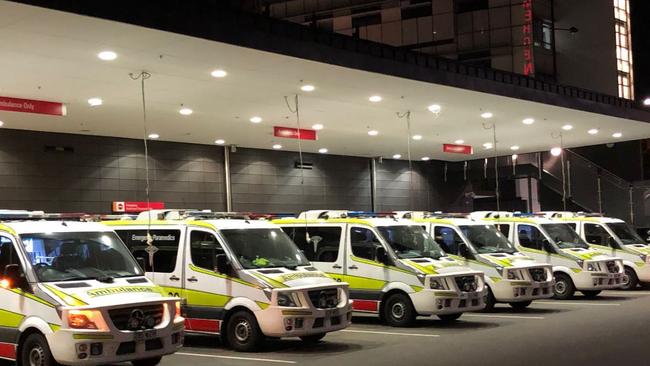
[(547, 246), (13, 276), (222, 264), (381, 255), (463, 250)]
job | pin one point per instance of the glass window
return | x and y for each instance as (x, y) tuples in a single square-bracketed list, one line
[(264, 248), (71, 256), (487, 239), (625, 233), (164, 260), (564, 236), (319, 244), (7, 254), (411, 241), (204, 246), (447, 238), (504, 229), (364, 242), (596, 234), (530, 237)]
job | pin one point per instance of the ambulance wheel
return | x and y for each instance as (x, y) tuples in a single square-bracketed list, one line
[(398, 310), (314, 338), (153, 361), (564, 288), (36, 352), (521, 305), (243, 333), (630, 280), (449, 318), (591, 294), (490, 301)]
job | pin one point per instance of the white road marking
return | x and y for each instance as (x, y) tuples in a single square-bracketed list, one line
[(234, 358), (389, 333), (538, 302), (503, 316)]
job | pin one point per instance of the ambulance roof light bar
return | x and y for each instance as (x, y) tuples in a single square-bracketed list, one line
[(341, 214), (190, 214)]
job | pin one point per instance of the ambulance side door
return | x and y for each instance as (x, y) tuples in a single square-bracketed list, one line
[(531, 239), (597, 234)]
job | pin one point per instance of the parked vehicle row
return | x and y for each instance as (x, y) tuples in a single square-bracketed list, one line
[(129, 288)]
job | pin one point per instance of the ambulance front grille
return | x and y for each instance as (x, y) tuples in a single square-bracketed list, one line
[(137, 318)]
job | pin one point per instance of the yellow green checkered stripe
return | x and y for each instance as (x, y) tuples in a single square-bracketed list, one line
[(68, 299), (9, 319), (219, 275)]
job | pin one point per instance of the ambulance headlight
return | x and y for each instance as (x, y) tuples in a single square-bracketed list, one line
[(645, 258), (513, 275), (436, 284), (86, 319), (288, 299), (591, 267)]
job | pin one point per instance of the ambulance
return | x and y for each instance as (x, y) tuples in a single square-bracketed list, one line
[(241, 279), (511, 276), (576, 265), (73, 294), (615, 237), (394, 268)]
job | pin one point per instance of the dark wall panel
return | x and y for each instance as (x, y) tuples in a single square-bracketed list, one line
[(267, 181), (92, 171)]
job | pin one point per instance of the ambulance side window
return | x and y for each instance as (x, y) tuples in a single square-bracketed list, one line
[(363, 242), (596, 234), (323, 244), (7, 254), (530, 237), (447, 238), (204, 246), (504, 229), (164, 259)]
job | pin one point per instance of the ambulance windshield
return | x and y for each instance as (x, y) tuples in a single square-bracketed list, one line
[(264, 248), (410, 241)]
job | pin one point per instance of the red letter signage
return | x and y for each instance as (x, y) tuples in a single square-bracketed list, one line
[(31, 106), (527, 38)]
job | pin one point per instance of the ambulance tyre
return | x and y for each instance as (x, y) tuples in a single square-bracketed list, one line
[(314, 338), (521, 305), (490, 301), (630, 281), (243, 334), (564, 287), (398, 310), (153, 361), (36, 352), (591, 293)]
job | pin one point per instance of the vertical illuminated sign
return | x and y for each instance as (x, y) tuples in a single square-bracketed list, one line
[(527, 38)]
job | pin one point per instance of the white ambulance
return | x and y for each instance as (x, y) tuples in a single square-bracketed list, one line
[(576, 266), (240, 278), (73, 294), (511, 277), (615, 237), (393, 266)]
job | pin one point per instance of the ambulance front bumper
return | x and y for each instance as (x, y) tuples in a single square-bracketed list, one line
[(451, 299)]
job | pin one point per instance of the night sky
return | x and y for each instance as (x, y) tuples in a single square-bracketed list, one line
[(640, 10)]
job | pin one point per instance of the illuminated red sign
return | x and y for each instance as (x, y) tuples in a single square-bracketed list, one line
[(527, 38), (32, 106), (135, 207), (457, 149), (294, 133)]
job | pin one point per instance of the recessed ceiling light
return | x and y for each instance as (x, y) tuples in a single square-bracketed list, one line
[(185, 111), (307, 88), (154, 136), (434, 108), (220, 141), (277, 147), (514, 157), (593, 131), (646, 102), (323, 150), (487, 145), (397, 156), (219, 73), (515, 147), (2, 123), (256, 119), (107, 55), (426, 158), (317, 127), (528, 121), (459, 142), (617, 135), (486, 115), (567, 127), (94, 102), (375, 98), (417, 137), (556, 151), (373, 132)]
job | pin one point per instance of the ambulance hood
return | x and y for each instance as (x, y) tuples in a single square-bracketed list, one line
[(443, 265), (282, 277), (586, 254), (638, 248), (507, 260), (95, 293)]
